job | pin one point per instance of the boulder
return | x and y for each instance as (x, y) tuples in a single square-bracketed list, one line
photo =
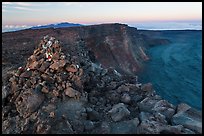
[(104, 128), (34, 65), (118, 112), (147, 87), (92, 114), (123, 88), (72, 92), (113, 96), (125, 98), (47, 78), (56, 56), (58, 64), (182, 107), (172, 129), (124, 127), (28, 102), (151, 123), (147, 104), (72, 68), (164, 108), (45, 89), (26, 74), (88, 125), (191, 119), (44, 66)]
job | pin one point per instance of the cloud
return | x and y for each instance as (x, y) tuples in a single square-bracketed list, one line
[(6, 3), (14, 26), (3, 10), (22, 8), (70, 3), (25, 8), (23, 3), (17, 3)]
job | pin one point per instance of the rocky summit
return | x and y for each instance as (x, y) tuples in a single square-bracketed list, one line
[(55, 94), (59, 87)]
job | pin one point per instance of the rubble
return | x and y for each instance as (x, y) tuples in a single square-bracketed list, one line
[(59, 92)]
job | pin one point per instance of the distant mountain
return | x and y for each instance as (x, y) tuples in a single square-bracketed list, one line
[(59, 25)]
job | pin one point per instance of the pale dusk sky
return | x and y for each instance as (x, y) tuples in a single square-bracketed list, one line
[(24, 14)]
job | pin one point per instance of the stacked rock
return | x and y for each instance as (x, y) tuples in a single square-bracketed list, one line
[(47, 72)]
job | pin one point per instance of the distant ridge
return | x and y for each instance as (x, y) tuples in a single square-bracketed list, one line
[(59, 25)]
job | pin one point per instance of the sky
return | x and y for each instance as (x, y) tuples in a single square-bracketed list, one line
[(139, 14)]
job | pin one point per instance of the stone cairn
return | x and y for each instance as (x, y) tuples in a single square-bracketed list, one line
[(46, 71)]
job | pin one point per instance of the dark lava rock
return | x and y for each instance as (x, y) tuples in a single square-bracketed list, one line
[(118, 112), (26, 74), (190, 119), (92, 114), (124, 127), (126, 98)]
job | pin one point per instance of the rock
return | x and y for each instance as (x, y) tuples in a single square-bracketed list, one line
[(52, 114), (26, 74), (44, 66), (118, 112), (147, 104), (78, 126), (151, 123), (122, 88), (187, 131), (72, 68), (191, 119), (104, 128), (112, 85), (144, 116), (113, 96), (62, 127), (45, 89), (28, 83), (38, 88), (28, 103), (124, 127), (88, 125), (49, 108), (47, 78), (147, 87), (58, 64), (56, 56), (182, 107), (164, 108), (136, 98), (104, 72), (92, 114), (72, 93), (126, 98), (34, 65), (5, 93), (172, 129)]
